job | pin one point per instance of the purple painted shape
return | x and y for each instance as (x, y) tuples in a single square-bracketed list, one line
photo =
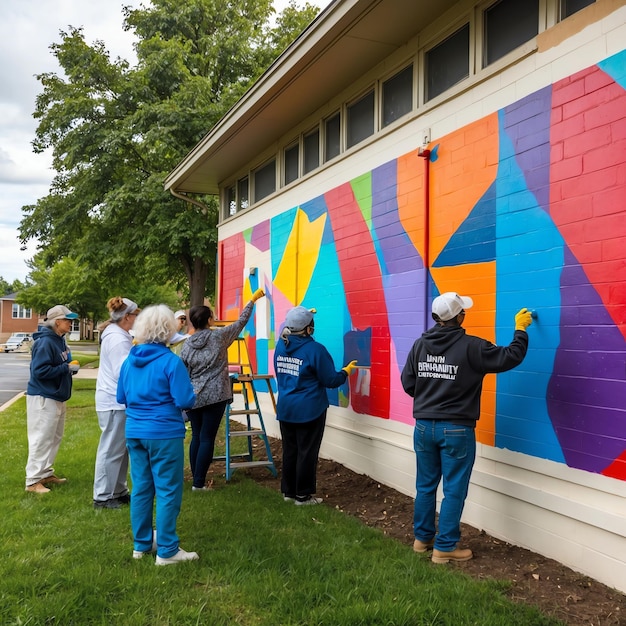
[(398, 252), (588, 407), (260, 237), (527, 123)]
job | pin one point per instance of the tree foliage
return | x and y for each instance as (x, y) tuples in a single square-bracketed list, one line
[(116, 131), (6, 287)]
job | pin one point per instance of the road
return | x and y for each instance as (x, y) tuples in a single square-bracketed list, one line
[(15, 370), (14, 373)]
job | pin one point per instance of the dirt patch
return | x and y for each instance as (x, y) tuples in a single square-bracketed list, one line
[(557, 590)]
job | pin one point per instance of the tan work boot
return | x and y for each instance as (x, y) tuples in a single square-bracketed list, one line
[(456, 556), (421, 547), (37, 488), (54, 480)]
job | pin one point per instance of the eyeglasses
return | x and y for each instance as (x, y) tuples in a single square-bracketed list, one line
[(184, 319)]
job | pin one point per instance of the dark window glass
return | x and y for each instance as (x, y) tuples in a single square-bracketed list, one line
[(398, 95), (447, 63), (569, 7), (332, 137), (292, 163), (265, 181), (361, 119), (509, 24), (231, 201), (311, 151), (243, 194)]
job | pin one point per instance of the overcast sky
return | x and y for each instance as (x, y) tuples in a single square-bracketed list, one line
[(30, 27)]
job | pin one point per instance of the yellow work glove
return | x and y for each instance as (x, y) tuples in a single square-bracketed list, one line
[(523, 319), (348, 369), (259, 293)]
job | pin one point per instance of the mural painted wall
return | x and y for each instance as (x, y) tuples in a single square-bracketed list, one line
[(525, 207)]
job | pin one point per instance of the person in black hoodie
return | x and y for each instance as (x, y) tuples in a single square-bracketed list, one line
[(444, 374)]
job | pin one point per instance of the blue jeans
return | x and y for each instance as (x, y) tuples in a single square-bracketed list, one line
[(443, 450), (156, 469)]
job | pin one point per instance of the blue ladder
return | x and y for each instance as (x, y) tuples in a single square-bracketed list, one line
[(244, 384)]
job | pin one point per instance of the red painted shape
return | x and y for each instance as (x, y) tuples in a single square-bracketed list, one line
[(587, 172), (617, 469), (364, 292), (232, 256)]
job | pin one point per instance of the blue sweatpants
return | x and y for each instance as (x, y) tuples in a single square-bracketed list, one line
[(156, 470)]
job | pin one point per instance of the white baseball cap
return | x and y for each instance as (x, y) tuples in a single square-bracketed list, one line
[(448, 305)]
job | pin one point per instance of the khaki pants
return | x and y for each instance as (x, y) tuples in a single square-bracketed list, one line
[(45, 419)]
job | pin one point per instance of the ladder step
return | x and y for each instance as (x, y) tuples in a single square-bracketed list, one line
[(244, 412), (252, 464), (246, 433)]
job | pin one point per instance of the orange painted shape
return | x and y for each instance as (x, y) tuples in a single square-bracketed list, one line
[(479, 282)]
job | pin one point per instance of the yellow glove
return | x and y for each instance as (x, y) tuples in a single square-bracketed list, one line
[(259, 293), (523, 319), (348, 369)]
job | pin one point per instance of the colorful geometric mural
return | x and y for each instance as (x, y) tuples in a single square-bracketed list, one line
[(525, 207)]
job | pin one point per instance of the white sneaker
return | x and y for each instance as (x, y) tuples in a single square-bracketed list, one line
[(288, 498), (309, 501), (138, 554), (179, 557), (201, 489)]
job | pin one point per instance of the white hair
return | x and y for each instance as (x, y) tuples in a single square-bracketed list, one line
[(155, 324)]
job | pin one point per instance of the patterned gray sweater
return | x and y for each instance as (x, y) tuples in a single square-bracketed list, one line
[(205, 355)]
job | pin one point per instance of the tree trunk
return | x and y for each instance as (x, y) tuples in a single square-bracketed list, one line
[(197, 272)]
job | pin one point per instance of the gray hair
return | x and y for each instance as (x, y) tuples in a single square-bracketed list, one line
[(155, 324)]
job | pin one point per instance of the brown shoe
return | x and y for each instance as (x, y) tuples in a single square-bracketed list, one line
[(37, 488), (421, 547), (54, 480), (456, 556)]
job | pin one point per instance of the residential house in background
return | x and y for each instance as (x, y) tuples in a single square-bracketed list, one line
[(399, 149), (15, 318)]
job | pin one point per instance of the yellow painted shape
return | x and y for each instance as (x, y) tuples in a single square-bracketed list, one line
[(479, 282), (300, 256)]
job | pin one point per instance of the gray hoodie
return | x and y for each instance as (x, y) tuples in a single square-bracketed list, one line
[(205, 355)]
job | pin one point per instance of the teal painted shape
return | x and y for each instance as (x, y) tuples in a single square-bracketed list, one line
[(280, 229), (529, 262), (615, 67)]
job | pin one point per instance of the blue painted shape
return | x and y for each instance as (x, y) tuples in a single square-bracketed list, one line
[(615, 67), (528, 271), (475, 239)]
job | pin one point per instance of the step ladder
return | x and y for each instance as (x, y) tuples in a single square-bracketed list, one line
[(243, 380), (243, 384)]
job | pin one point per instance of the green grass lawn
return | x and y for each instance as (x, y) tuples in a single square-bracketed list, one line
[(262, 561)]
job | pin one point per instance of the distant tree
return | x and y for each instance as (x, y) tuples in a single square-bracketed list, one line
[(116, 132), (84, 291), (6, 287)]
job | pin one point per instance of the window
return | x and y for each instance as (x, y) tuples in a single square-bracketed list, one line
[(447, 63), (243, 197), (569, 7), (332, 137), (292, 163), (398, 95), (20, 312), (507, 25), (231, 201), (265, 180), (311, 151), (361, 119)]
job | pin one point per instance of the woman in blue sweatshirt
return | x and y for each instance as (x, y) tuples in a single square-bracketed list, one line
[(304, 370), (155, 387)]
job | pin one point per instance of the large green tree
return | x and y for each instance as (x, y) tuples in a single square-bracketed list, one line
[(116, 131)]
